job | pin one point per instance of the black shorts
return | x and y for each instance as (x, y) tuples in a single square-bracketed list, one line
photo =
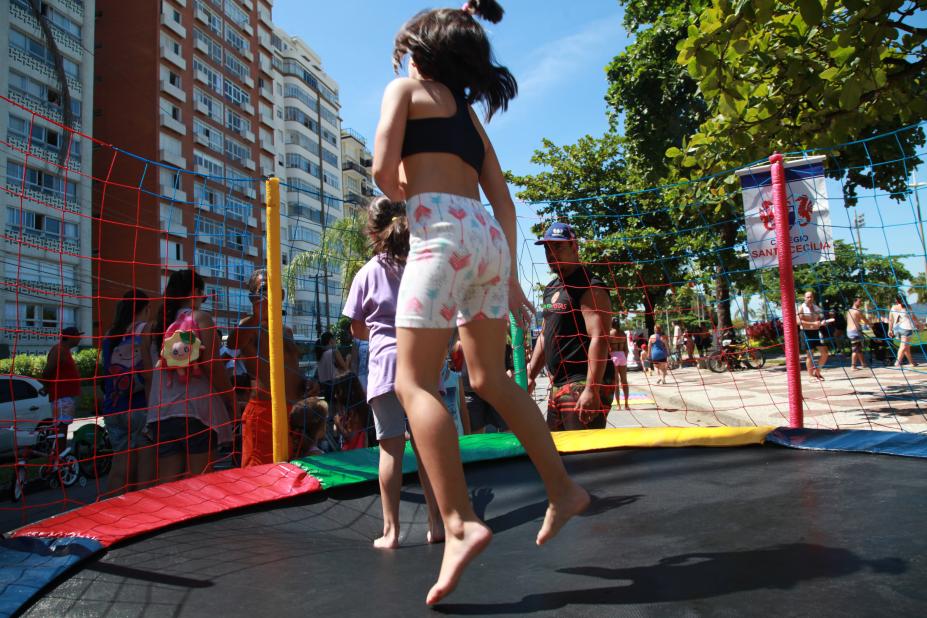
[(814, 339), (483, 415)]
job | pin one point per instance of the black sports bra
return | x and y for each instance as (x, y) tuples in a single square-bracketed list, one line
[(451, 134)]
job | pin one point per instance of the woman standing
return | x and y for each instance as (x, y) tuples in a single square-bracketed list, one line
[(432, 152), (187, 414), (902, 323)]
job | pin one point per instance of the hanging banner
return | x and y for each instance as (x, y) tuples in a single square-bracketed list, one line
[(811, 240)]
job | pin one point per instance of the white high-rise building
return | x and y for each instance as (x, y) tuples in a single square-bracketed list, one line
[(46, 250), (307, 136)]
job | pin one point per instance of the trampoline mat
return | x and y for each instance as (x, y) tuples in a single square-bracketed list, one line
[(751, 530)]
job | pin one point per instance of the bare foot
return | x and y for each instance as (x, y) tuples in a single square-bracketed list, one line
[(627, 407), (560, 511), (386, 542), (459, 550)]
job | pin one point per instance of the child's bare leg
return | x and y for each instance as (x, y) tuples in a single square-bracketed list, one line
[(484, 348), (435, 532), (390, 487), (419, 355)]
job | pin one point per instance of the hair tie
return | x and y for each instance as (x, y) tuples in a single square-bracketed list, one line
[(466, 8), (394, 218)]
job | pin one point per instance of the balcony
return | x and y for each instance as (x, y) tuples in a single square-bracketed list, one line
[(267, 145), (366, 161), (173, 90), (345, 132), (355, 167), (169, 193), (173, 124), (168, 54), (174, 158), (171, 24), (351, 197)]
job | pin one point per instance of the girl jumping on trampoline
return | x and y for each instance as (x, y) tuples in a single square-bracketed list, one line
[(432, 151)]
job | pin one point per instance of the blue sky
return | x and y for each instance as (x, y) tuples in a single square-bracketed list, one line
[(558, 52)]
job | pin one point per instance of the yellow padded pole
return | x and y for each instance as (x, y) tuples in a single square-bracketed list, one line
[(275, 322)]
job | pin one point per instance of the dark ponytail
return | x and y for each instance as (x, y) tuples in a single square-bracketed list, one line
[(182, 287), (449, 46), (490, 10), (133, 302), (387, 224)]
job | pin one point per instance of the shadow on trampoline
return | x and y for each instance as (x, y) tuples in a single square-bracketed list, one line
[(146, 576), (693, 576)]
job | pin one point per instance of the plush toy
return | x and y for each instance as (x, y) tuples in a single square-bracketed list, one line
[(181, 349)]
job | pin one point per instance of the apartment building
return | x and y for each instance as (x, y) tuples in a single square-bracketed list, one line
[(46, 247), (187, 87), (309, 163), (356, 174)]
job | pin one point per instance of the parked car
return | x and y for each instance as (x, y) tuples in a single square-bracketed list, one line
[(23, 405)]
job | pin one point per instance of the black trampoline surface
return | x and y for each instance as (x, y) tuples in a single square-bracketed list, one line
[(694, 531)]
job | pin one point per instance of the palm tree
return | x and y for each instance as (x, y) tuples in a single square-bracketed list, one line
[(344, 243)]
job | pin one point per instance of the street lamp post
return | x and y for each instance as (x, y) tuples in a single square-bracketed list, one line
[(920, 221)]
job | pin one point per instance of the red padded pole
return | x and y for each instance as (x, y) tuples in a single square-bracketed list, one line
[(787, 290)]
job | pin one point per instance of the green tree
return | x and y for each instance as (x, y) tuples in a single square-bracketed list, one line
[(875, 278), (626, 235), (344, 244), (777, 78), (919, 287)]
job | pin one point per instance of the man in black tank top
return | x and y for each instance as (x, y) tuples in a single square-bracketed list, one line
[(573, 345)]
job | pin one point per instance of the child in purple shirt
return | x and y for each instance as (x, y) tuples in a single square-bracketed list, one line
[(371, 305)]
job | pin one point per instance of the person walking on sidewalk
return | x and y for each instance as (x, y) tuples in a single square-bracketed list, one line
[(811, 322), (573, 344), (855, 322), (902, 323), (659, 353)]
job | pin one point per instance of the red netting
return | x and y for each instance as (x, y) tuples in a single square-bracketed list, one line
[(86, 251)]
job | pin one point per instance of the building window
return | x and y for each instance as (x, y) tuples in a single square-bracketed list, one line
[(40, 181), (210, 165), (236, 95), (212, 136), (237, 69), (236, 13), (329, 116), (297, 161), (41, 53), (329, 157), (237, 41), (214, 50), (39, 316), (328, 136), (331, 179), (209, 106), (211, 77), (237, 124), (236, 151), (295, 92), (298, 115)]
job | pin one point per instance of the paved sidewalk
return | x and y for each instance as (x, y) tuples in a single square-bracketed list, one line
[(884, 398)]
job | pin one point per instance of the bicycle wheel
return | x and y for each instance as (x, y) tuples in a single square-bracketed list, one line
[(717, 363), (68, 469), (754, 359)]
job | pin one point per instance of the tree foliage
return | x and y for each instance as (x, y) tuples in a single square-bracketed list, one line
[(830, 72), (344, 245), (711, 85)]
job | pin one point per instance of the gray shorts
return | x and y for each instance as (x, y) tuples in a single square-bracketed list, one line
[(388, 416)]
